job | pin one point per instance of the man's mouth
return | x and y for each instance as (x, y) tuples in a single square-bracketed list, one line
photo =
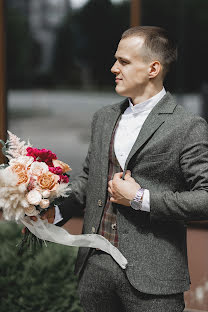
[(117, 79)]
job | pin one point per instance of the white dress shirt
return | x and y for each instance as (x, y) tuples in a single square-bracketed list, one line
[(58, 216), (128, 130), (126, 134)]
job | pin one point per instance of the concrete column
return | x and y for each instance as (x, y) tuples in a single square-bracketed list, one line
[(135, 13), (3, 113)]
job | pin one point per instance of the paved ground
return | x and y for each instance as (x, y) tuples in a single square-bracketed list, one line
[(60, 121)]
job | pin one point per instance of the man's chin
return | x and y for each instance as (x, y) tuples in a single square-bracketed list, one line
[(121, 92)]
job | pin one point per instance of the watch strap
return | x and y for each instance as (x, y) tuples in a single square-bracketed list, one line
[(136, 203)]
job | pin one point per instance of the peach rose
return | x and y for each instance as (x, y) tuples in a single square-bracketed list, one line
[(44, 203), (21, 171), (22, 177), (34, 197), (31, 211), (37, 168), (48, 180), (61, 164), (18, 167)]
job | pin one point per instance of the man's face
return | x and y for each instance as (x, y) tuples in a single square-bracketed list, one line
[(132, 72)]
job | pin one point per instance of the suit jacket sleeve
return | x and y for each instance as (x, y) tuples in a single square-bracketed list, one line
[(74, 205), (193, 203)]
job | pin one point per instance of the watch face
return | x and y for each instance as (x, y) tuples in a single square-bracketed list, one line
[(135, 205)]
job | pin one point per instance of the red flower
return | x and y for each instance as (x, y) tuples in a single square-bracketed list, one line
[(64, 178), (42, 155), (34, 152), (31, 184), (56, 170)]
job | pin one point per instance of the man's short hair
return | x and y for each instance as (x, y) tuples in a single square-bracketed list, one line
[(157, 44)]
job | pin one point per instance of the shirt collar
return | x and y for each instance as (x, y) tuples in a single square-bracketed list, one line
[(146, 105)]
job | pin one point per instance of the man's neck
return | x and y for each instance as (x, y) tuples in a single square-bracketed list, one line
[(147, 94)]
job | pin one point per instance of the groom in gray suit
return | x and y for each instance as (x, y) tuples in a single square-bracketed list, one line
[(145, 175)]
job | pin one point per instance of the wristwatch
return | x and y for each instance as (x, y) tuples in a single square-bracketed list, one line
[(136, 202)]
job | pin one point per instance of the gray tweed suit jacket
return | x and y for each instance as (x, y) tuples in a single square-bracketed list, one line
[(170, 159)]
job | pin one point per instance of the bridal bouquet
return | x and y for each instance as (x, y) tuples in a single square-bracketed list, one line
[(32, 180)]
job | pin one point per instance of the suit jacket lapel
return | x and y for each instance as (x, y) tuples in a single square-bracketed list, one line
[(110, 121), (154, 120)]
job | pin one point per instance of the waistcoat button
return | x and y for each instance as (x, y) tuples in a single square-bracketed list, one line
[(100, 203), (114, 226), (93, 229)]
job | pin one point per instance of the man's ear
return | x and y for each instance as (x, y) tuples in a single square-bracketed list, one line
[(154, 69)]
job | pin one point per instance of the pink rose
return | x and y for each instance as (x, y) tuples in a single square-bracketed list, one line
[(37, 168), (46, 194), (34, 197)]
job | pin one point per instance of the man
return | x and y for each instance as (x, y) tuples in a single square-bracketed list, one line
[(145, 175)]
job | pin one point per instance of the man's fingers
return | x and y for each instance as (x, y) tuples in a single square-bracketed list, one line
[(127, 175), (128, 172), (34, 218), (118, 175), (110, 190), (45, 215), (23, 230), (50, 220), (113, 200), (49, 215)]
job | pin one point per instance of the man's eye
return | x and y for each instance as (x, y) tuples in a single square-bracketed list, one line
[(123, 62)]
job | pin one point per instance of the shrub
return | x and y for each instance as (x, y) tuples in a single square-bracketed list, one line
[(44, 282)]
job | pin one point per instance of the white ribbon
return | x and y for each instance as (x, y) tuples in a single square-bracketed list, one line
[(52, 233)]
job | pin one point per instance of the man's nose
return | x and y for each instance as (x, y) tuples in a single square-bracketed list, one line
[(115, 68)]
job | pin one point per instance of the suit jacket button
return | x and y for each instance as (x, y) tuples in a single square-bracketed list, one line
[(100, 203), (93, 230), (114, 226)]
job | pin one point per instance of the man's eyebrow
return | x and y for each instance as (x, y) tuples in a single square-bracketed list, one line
[(121, 58)]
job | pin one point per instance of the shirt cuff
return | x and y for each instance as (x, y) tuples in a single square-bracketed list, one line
[(58, 216), (146, 201)]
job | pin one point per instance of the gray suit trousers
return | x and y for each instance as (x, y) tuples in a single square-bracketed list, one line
[(104, 287)]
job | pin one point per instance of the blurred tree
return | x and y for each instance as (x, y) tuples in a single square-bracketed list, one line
[(65, 71), (22, 53), (88, 38), (195, 44), (167, 15), (41, 282), (186, 21), (98, 26)]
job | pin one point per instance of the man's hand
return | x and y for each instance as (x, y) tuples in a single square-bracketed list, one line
[(122, 191), (49, 215)]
